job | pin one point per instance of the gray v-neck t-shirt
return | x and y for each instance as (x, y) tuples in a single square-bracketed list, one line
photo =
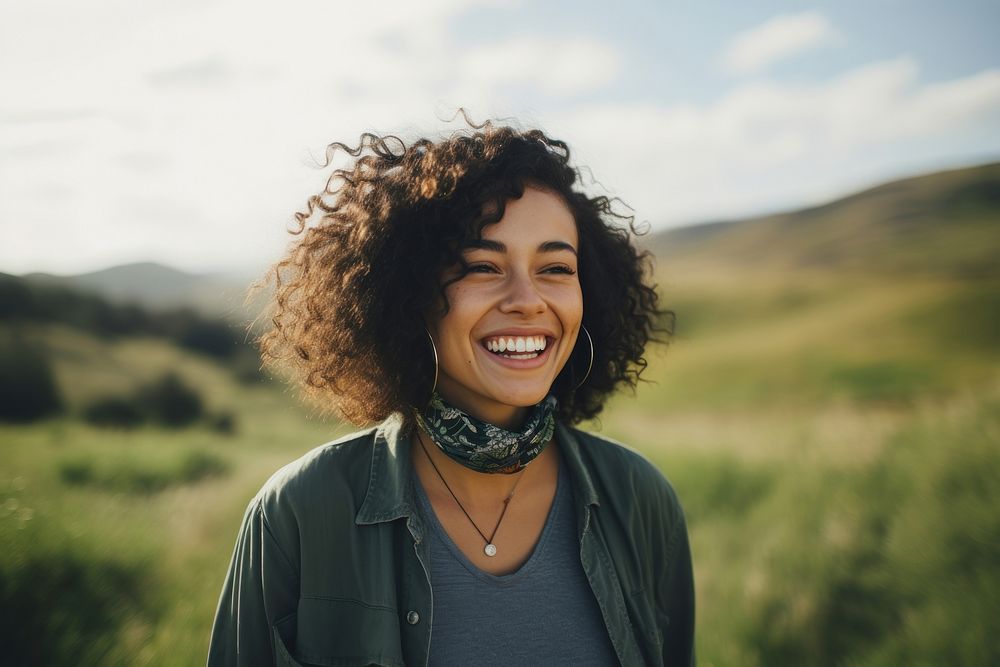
[(543, 614)]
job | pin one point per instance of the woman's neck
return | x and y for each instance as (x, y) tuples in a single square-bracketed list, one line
[(464, 448), (509, 417)]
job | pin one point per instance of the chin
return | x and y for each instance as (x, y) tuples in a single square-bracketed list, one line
[(523, 398)]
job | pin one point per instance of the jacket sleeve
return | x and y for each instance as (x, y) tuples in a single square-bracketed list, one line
[(676, 595), (261, 590)]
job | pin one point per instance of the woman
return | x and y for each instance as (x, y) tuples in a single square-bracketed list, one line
[(468, 297)]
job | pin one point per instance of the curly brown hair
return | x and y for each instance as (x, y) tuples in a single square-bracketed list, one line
[(352, 292)]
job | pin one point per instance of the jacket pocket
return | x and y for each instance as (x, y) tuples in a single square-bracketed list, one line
[(341, 632)]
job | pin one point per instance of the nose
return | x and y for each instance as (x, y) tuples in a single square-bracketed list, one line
[(522, 296)]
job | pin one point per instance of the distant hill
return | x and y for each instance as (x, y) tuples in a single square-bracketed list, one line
[(43, 303), (945, 223), (941, 223), (157, 286)]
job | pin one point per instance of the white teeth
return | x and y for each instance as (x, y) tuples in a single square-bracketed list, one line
[(520, 347)]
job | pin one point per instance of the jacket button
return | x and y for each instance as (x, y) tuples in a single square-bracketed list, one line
[(412, 618)]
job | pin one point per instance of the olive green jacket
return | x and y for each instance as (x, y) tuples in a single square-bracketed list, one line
[(331, 564)]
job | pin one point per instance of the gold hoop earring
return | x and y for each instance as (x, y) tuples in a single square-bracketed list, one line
[(590, 364), (435, 351)]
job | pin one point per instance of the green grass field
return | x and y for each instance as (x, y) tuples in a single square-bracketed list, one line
[(835, 441), (837, 448), (116, 542)]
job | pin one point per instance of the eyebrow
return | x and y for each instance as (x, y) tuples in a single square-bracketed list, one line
[(497, 246)]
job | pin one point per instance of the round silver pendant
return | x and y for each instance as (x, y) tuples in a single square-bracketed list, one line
[(490, 550)]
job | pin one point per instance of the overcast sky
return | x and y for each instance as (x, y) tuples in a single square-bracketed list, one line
[(186, 132)]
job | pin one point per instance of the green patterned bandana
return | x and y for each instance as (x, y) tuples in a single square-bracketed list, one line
[(485, 447)]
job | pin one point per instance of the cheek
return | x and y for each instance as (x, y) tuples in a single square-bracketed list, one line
[(454, 331), (448, 315), (569, 302)]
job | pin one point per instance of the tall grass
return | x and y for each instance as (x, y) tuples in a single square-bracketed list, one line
[(897, 562), (840, 483)]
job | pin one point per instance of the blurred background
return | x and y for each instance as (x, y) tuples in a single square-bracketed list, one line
[(821, 185)]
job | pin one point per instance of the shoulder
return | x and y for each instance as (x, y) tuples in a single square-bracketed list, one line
[(622, 475), (329, 476), (617, 459)]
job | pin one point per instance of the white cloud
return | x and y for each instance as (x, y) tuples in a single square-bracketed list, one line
[(764, 145), (777, 38), (563, 67), (218, 109), (187, 137)]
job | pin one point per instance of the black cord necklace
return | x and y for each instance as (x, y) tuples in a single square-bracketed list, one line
[(490, 549)]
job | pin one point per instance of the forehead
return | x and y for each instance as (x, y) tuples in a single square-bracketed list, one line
[(538, 216)]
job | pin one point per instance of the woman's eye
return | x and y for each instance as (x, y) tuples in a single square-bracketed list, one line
[(481, 268), (565, 270)]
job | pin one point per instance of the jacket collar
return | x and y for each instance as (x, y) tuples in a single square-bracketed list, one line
[(389, 495), (390, 484), (573, 454)]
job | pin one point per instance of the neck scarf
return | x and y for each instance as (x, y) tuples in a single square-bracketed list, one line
[(485, 447)]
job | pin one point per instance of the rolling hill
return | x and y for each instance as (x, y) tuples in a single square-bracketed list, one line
[(941, 224), (945, 224), (157, 286)]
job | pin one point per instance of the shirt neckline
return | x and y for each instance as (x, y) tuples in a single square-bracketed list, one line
[(510, 578)]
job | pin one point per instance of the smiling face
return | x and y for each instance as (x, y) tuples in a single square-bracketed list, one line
[(514, 318)]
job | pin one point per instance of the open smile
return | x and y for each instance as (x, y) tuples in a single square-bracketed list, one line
[(516, 351)]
